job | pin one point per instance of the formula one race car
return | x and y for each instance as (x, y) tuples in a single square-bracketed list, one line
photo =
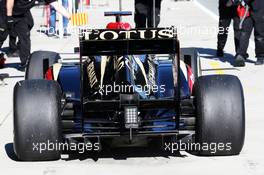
[(129, 87)]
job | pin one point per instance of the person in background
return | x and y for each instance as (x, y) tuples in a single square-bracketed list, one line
[(226, 15), (12, 52), (19, 19), (52, 26), (245, 29), (13, 45), (144, 16), (255, 20)]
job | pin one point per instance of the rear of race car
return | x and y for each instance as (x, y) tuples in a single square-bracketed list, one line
[(128, 88)]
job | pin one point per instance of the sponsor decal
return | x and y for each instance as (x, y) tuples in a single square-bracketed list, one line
[(120, 63), (127, 35), (92, 75), (151, 73)]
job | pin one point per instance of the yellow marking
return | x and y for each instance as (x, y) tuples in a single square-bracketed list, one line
[(248, 89), (79, 19), (215, 65)]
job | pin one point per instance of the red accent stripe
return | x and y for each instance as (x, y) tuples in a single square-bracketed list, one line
[(49, 74)]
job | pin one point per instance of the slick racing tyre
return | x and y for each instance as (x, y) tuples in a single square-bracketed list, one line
[(191, 57), (37, 126), (220, 122), (39, 63)]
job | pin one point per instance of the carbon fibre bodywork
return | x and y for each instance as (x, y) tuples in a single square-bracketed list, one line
[(95, 90), (108, 122)]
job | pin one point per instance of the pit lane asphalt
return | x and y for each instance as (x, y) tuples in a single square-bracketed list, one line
[(181, 14)]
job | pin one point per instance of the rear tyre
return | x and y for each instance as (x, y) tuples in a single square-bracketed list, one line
[(39, 63), (37, 120), (220, 122), (191, 57)]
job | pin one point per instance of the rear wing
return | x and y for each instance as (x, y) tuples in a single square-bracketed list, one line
[(129, 42)]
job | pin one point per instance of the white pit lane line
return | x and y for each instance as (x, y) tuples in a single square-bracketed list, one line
[(5, 117)]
